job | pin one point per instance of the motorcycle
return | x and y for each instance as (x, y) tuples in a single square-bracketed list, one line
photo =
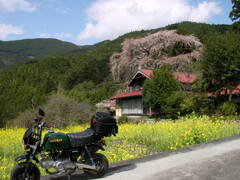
[(60, 153)]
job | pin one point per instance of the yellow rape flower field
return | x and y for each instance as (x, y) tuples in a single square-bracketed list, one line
[(133, 140)]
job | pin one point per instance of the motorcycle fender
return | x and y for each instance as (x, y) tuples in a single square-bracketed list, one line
[(25, 157), (94, 148)]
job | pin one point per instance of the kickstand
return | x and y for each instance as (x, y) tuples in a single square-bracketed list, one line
[(69, 176)]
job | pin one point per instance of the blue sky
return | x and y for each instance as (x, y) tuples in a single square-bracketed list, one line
[(90, 21)]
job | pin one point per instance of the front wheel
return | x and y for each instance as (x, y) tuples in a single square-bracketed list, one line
[(18, 171), (102, 166)]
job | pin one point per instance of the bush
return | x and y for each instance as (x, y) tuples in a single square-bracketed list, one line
[(228, 108), (63, 111), (189, 104), (173, 102), (207, 108), (60, 111), (123, 119), (24, 119)]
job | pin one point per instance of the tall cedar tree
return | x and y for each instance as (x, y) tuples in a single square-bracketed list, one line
[(235, 15), (221, 65)]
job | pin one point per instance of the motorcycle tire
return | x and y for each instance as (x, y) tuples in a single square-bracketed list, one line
[(102, 166), (17, 172)]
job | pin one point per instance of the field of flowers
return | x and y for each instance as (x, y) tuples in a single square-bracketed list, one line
[(133, 140)]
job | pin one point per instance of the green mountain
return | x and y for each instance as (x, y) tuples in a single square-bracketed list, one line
[(83, 74), (16, 51)]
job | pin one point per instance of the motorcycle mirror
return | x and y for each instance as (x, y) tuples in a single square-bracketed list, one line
[(41, 112), (32, 102)]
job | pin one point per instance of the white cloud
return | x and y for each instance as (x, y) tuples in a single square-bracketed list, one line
[(111, 18), (12, 5), (58, 6), (43, 35), (204, 11), (65, 10), (55, 35), (8, 29)]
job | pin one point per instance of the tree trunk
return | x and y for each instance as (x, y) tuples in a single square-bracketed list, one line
[(230, 96), (150, 111)]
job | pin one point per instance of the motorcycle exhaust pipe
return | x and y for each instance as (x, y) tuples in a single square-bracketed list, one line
[(86, 166)]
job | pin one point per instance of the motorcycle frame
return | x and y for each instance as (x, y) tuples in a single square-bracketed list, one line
[(35, 149)]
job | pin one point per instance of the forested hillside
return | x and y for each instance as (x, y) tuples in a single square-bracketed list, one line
[(83, 75), (17, 51)]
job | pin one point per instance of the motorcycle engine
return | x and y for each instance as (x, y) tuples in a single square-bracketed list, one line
[(61, 165)]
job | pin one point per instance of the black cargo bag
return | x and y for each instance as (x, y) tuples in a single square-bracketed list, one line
[(104, 125)]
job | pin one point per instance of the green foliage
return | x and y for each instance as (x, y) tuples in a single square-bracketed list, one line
[(87, 65), (236, 27), (17, 51), (122, 120), (39, 79), (92, 93), (228, 108), (193, 68), (181, 103), (159, 87), (178, 48), (190, 104), (199, 84), (172, 108), (201, 30), (221, 65), (235, 13)]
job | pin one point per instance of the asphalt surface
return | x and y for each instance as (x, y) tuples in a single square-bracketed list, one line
[(216, 160)]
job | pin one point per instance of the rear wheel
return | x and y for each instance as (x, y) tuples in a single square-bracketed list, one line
[(102, 166), (18, 171)]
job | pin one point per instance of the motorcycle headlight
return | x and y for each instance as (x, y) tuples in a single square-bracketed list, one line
[(25, 146)]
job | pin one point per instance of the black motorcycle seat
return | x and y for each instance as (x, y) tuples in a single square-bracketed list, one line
[(81, 138)]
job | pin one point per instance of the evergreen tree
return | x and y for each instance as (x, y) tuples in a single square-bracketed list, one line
[(235, 13), (159, 88), (221, 65)]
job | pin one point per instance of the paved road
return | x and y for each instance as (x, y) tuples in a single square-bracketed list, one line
[(218, 160)]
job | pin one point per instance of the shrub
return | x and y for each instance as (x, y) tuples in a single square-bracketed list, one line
[(24, 119), (63, 111), (228, 108), (173, 102), (189, 104), (123, 119), (60, 111)]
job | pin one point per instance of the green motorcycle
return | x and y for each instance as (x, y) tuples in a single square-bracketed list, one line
[(60, 153)]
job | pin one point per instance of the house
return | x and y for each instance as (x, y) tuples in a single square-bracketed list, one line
[(130, 102), (225, 92)]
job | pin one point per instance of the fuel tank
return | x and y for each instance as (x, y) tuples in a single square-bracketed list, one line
[(55, 141)]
